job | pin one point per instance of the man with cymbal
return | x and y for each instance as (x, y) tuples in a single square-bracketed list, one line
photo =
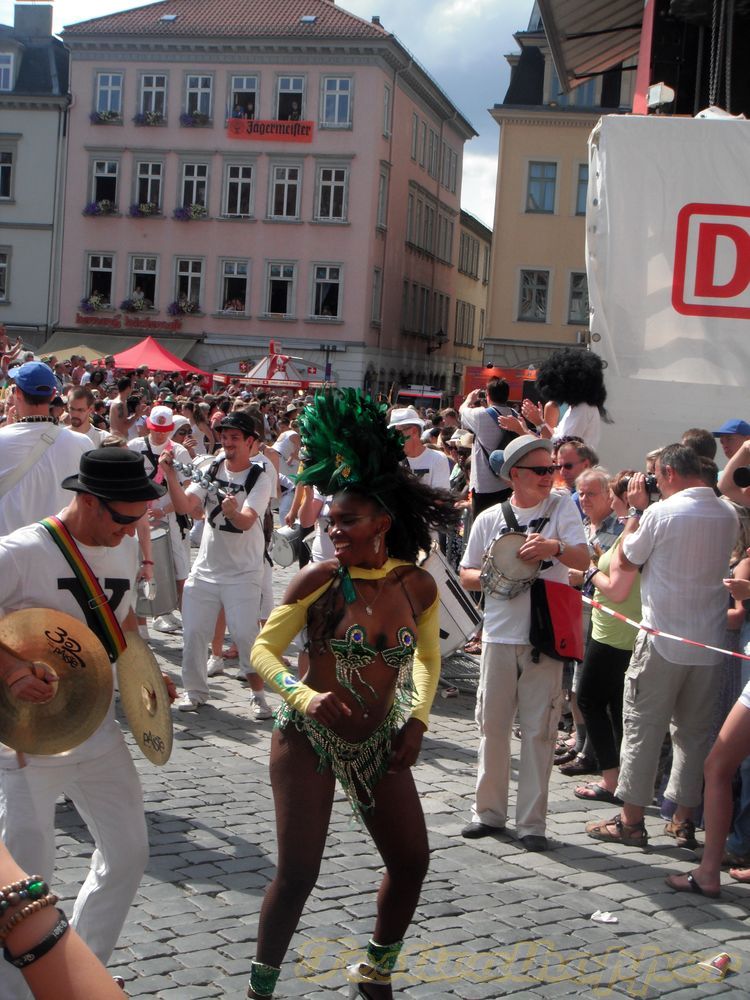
[(84, 562)]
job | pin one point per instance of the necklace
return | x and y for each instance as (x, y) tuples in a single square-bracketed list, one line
[(378, 592), (37, 419)]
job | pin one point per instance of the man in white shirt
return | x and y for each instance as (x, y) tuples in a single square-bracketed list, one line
[(80, 408), (682, 546), (431, 466), (228, 571), (513, 677), (36, 492), (480, 417)]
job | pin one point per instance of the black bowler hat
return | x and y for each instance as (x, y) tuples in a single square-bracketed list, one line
[(240, 421), (114, 474)]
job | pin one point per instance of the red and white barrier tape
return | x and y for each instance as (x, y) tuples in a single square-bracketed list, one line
[(656, 631)]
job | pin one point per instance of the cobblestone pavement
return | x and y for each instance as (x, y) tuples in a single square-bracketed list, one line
[(493, 920)]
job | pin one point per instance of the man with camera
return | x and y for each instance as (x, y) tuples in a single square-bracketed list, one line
[(479, 414), (682, 546)]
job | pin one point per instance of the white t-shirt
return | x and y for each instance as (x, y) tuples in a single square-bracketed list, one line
[(322, 546), (140, 445), (34, 574), (684, 544), (581, 421), (509, 622), (38, 493), (432, 468), (94, 434), (270, 469), (226, 552)]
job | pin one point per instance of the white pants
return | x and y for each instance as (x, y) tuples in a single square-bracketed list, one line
[(509, 680), (201, 603), (266, 602), (106, 792), (180, 549)]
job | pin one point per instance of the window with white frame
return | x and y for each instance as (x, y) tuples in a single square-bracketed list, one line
[(239, 191), (540, 189), (109, 93), (4, 274), (290, 103), (327, 291), (99, 279), (198, 94), (533, 296), (148, 193), (382, 208), (285, 192), (234, 285), (387, 109), (194, 184), (189, 281), (280, 289), (578, 300), (104, 182), (582, 186), (376, 310), (6, 71), (153, 100), (142, 280), (6, 173), (243, 99), (336, 102), (331, 203)]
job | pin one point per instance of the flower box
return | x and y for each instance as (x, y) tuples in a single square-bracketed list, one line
[(194, 119), (147, 118), (187, 212), (143, 209), (183, 307), (105, 118), (102, 207), (94, 303)]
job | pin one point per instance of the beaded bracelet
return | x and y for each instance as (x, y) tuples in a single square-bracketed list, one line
[(27, 888), (46, 944), (39, 904)]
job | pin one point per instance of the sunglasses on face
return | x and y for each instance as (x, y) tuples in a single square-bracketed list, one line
[(569, 465), (117, 517), (540, 470)]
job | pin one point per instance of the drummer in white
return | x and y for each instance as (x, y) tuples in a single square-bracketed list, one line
[(509, 677)]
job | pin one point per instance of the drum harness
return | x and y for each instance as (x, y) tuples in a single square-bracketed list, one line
[(512, 524)]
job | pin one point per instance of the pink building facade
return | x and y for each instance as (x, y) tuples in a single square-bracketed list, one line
[(257, 171)]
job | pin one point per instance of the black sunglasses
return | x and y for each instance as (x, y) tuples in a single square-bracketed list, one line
[(569, 465), (540, 470), (117, 517)]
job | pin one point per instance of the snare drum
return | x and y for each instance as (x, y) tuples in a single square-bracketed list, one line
[(286, 545), (503, 574), (164, 578), (459, 615)]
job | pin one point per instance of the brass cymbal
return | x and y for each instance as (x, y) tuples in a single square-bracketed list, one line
[(144, 699), (84, 689)]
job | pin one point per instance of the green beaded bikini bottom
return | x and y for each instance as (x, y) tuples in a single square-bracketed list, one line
[(358, 766)]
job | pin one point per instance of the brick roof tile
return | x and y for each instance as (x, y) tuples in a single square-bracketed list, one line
[(232, 18)]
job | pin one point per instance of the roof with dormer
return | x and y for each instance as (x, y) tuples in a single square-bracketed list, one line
[(313, 19)]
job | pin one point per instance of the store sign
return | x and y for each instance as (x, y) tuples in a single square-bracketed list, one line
[(270, 131), (119, 322)]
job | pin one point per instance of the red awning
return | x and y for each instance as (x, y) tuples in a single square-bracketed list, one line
[(156, 357)]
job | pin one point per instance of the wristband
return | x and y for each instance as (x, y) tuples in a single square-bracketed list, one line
[(30, 955), (590, 576), (147, 562)]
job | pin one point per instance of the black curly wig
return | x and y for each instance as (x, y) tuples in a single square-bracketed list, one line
[(573, 376)]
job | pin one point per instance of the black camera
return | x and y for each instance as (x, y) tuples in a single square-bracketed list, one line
[(742, 476), (651, 488)]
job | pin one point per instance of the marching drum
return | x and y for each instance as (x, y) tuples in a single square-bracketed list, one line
[(459, 615), (503, 574), (165, 599), (286, 545)]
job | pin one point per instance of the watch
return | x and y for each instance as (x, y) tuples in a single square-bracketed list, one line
[(635, 512), (561, 547)]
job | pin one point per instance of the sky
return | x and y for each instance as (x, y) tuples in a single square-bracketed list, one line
[(461, 43)]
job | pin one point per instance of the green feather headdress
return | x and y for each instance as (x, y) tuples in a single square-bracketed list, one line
[(347, 442)]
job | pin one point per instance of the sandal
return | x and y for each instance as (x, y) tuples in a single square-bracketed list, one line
[(690, 885), (614, 831), (565, 756), (593, 791), (683, 833), (473, 647), (740, 875)]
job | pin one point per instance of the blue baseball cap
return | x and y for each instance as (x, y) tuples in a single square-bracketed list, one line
[(38, 379), (733, 427)]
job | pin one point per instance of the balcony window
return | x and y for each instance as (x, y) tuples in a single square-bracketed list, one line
[(285, 192), (238, 197), (153, 99), (194, 184), (234, 286), (243, 100), (142, 283), (198, 93), (149, 186), (326, 293), (99, 281), (189, 282), (109, 95), (280, 291), (290, 102)]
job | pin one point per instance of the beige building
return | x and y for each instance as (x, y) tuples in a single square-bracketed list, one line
[(538, 297), (472, 285)]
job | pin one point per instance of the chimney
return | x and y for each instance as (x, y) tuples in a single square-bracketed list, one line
[(33, 20), (376, 19)]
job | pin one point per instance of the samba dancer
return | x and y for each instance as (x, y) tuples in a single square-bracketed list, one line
[(359, 713), (97, 528)]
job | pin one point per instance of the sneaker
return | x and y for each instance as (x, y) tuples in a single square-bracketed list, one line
[(174, 617), (189, 703), (166, 624), (260, 708), (215, 665), (143, 632)]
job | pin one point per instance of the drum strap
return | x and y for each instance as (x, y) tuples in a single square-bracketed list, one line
[(102, 621), (512, 523)]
